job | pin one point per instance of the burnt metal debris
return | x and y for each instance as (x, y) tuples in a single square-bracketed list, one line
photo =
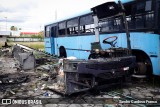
[(70, 76), (65, 76), (27, 59), (13, 78)]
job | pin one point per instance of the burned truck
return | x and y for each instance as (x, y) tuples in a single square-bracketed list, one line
[(104, 68)]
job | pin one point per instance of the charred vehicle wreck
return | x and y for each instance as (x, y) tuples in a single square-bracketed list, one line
[(104, 67)]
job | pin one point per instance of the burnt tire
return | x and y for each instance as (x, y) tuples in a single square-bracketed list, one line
[(141, 68), (62, 52)]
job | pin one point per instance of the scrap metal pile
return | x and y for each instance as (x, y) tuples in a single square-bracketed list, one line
[(65, 76), (28, 73), (24, 70)]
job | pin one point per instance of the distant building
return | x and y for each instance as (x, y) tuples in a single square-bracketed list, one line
[(15, 33), (28, 33), (4, 35)]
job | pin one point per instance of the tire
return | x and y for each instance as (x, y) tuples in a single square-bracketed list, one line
[(141, 68), (62, 52)]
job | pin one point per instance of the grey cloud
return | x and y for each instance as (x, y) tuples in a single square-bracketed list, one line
[(14, 20), (4, 9), (25, 7), (21, 7), (17, 19), (19, 12)]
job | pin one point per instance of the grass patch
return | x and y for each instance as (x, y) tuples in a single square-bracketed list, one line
[(35, 45), (1, 44)]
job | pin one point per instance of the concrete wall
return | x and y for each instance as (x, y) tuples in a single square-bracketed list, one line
[(20, 39)]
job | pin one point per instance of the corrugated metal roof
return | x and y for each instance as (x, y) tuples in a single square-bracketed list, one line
[(29, 33)]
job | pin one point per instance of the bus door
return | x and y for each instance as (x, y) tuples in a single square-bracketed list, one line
[(53, 36), (50, 35)]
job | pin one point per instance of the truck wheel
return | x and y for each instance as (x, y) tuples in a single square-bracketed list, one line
[(140, 69)]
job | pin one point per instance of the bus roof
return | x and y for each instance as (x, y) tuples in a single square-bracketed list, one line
[(69, 17), (125, 1)]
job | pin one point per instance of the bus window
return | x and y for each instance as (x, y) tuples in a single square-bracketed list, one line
[(148, 6), (72, 26), (86, 24), (47, 31), (149, 21), (140, 7), (87, 29), (109, 25), (53, 31), (62, 29), (118, 24)]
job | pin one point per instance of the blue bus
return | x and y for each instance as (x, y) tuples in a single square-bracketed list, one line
[(73, 36)]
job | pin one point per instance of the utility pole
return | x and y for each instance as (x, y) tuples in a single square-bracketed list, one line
[(6, 22), (40, 27), (56, 14)]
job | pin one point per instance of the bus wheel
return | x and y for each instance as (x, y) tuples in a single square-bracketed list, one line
[(62, 52), (141, 68)]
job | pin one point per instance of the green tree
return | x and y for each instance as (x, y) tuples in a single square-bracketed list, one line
[(41, 34), (13, 28)]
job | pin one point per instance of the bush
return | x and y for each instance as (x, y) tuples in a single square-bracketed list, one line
[(36, 36)]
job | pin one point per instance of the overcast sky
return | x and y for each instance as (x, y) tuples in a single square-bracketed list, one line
[(32, 15)]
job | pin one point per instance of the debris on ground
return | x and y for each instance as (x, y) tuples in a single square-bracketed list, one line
[(34, 74)]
